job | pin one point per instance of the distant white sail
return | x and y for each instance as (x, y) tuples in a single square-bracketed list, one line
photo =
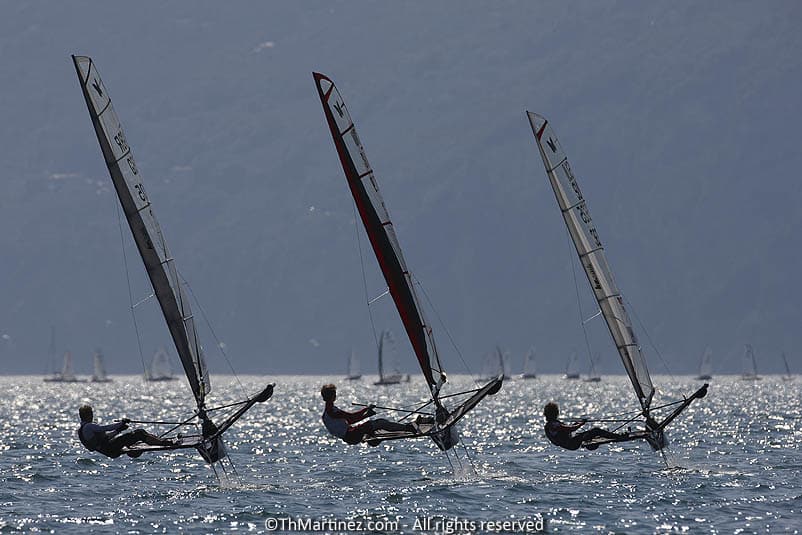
[(389, 368), (66, 371), (591, 255), (353, 367), (160, 368), (749, 364), (571, 367), (99, 375), (593, 376), (706, 365), (147, 234), (530, 365)]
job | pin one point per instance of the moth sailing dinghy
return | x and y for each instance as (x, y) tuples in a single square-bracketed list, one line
[(588, 245), (439, 425), (162, 273)]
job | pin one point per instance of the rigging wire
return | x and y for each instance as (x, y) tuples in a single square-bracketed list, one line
[(176, 426), (445, 328), (457, 457), (648, 337), (220, 345), (130, 293), (578, 300), (364, 277), (468, 455)]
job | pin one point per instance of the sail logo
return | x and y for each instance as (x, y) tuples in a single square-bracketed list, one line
[(594, 278), (552, 145), (96, 85), (339, 107)]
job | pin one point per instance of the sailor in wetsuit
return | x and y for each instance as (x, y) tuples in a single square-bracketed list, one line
[(340, 423), (562, 435), (108, 440)]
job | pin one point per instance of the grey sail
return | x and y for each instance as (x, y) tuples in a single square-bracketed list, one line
[(591, 255), (147, 234)]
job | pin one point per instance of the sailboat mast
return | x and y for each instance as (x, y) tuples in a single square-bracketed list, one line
[(754, 362), (381, 357)]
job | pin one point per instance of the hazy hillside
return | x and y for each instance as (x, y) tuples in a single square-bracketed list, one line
[(680, 119)]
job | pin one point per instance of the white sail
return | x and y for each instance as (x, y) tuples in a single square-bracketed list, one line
[(593, 376), (159, 368), (353, 366), (749, 364), (99, 375), (389, 367), (571, 367), (591, 255), (529, 367), (147, 234), (66, 370), (706, 364)]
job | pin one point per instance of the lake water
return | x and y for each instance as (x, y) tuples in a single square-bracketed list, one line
[(735, 464)]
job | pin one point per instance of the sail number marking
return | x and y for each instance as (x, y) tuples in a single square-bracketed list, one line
[(119, 139), (140, 190), (121, 142), (134, 169), (582, 208)]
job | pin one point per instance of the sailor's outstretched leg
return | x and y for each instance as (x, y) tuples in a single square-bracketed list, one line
[(597, 432), (140, 435), (380, 424)]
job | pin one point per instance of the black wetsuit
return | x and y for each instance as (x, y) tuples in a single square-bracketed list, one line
[(106, 439), (562, 435)]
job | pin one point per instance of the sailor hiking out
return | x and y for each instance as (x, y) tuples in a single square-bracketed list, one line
[(562, 435), (340, 423), (110, 439)]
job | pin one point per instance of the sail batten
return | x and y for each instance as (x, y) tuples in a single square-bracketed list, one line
[(590, 251), (379, 228), (144, 227)]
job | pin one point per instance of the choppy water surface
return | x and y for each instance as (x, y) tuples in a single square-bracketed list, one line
[(735, 462)]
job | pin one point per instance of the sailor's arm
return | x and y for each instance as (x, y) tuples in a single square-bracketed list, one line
[(117, 426), (351, 417), (573, 427), (361, 414)]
